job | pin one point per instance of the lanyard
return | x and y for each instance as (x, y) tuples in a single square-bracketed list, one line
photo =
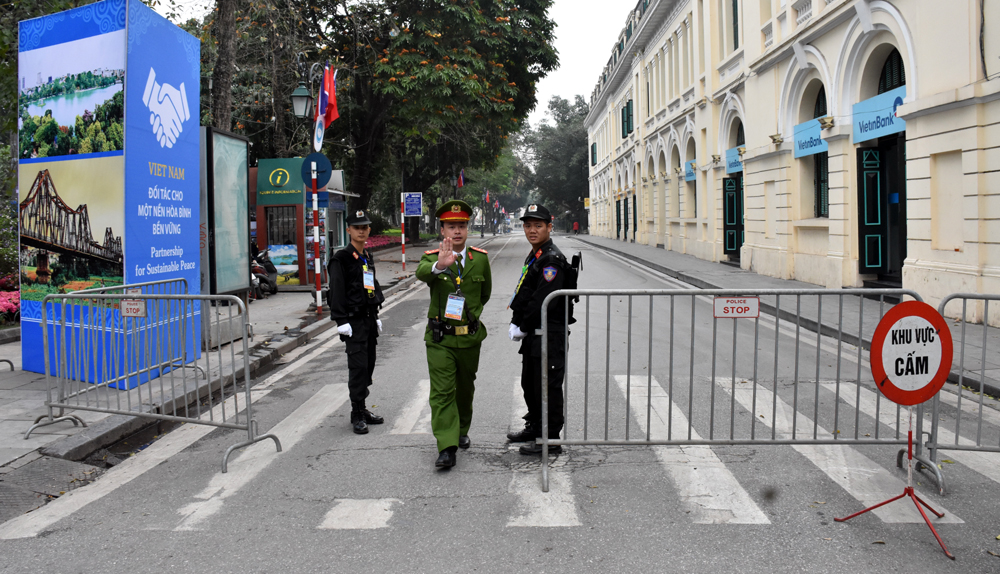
[(524, 272)]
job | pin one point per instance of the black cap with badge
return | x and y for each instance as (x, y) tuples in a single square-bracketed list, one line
[(535, 211), (358, 217)]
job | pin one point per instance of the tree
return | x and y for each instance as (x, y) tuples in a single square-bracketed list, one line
[(560, 157), (436, 84)]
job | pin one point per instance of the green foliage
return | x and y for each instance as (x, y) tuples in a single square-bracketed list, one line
[(561, 153), (99, 131), (8, 237)]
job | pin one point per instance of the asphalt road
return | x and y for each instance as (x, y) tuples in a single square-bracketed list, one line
[(333, 501)]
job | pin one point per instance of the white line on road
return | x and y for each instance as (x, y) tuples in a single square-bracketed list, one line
[(860, 476), (31, 525), (704, 485), (365, 514), (985, 463), (555, 508), (259, 456), (410, 421)]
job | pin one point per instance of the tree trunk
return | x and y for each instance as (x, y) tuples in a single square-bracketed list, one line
[(225, 64), (278, 92)]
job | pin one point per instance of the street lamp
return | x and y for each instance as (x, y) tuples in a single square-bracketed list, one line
[(301, 100)]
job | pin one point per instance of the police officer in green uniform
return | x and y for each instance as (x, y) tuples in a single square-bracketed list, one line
[(460, 284), (354, 299), (545, 271)]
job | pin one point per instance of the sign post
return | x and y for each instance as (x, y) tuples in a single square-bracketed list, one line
[(910, 357), (410, 205), (319, 169)]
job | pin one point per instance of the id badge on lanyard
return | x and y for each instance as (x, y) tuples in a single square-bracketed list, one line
[(369, 278), (456, 304)]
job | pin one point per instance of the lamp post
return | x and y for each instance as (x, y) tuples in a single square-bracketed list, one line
[(302, 102)]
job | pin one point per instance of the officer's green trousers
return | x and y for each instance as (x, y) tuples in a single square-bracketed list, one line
[(453, 377)]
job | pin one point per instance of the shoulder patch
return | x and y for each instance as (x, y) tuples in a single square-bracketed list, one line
[(479, 250), (549, 273), (431, 252), (355, 254)]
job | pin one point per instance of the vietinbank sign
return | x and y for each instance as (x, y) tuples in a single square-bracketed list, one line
[(876, 117), (809, 139)]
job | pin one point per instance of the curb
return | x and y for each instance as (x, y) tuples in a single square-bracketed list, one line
[(989, 388), (10, 334), (262, 356)]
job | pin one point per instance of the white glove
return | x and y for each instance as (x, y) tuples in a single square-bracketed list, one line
[(379, 323), (515, 333), (345, 330)]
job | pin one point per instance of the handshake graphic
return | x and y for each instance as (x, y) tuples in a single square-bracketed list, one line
[(168, 107)]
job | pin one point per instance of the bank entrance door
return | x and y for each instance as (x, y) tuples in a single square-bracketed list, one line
[(618, 219), (732, 215), (882, 208), (625, 216)]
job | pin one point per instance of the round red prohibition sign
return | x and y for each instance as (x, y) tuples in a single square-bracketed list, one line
[(911, 353)]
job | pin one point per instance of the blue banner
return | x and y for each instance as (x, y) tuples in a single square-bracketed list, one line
[(162, 162), (733, 162), (876, 117), (690, 169), (809, 139)]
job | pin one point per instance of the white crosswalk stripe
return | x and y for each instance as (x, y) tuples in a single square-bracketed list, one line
[(704, 485), (862, 478), (416, 417), (555, 508), (985, 463), (354, 514), (252, 461)]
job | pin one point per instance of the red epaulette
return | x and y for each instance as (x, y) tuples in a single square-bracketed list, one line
[(479, 250), (355, 254), (431, 252)]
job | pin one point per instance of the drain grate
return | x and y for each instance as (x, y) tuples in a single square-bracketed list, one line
[(15, 501), (52, 476)]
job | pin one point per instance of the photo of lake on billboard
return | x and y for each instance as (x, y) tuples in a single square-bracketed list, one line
[(71, 97)]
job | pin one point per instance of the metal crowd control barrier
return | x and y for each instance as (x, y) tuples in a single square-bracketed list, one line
[(967, 410), (796, 374), (134, 350)]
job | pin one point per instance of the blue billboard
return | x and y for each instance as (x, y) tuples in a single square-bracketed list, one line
[(809, 139), (734, 163)]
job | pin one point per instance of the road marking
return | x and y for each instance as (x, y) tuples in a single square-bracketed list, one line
[(555, 508), (32, 524), (985, 463), (259, 456), (861, 477), (970, 405), (366, 514), (410, 422), (704, 485)]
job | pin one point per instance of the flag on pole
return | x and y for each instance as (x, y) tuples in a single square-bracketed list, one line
[(326, 105), (487, 196), (461, 178)]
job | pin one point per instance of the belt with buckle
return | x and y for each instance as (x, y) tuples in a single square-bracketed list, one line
[(457, 330)]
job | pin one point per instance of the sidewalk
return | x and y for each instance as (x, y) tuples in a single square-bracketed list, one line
[(857, 310), (280, 323)]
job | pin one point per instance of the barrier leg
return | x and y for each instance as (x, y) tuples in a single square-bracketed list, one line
[(254, 438), (50, 419)]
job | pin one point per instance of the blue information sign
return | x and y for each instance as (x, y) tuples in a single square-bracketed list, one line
[(689, 170), (876, 117), (733, 162), (809, 139), (413, 204), (323, 169)]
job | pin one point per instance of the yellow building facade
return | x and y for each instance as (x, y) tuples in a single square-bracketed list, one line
[(844, 143)]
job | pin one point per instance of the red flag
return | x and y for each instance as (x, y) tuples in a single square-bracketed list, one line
[(487, 196), (330, 113), (461, 178)]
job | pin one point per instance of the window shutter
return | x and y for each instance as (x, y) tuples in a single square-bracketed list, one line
[(822, 185), (736, 24)]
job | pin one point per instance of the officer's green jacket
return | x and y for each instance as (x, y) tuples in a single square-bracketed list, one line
[(477, 285)]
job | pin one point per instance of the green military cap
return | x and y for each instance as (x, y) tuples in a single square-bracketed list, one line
[(454, 210)]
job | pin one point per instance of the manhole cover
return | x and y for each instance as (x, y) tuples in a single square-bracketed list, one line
[(51, 475), (15, 501)]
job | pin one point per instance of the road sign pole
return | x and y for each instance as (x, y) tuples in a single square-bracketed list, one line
[(318, 267), (402, 225)]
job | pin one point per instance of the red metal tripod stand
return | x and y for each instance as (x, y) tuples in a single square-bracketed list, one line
[(908, 491)]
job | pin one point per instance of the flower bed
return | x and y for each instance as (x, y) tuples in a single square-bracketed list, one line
[(382, 242), (10, 307)]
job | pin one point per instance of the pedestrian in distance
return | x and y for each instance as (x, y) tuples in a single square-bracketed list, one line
[(460, 284), (576, 228), (545, 270), (354, 298)]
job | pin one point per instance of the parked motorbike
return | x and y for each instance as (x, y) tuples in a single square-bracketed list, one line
[(265, 285), (272, 271)]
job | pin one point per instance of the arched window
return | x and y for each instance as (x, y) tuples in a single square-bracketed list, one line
[(821, 175), (740, 138), (893, 74)]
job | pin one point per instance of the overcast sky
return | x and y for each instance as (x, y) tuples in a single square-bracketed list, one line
[(585, 33)]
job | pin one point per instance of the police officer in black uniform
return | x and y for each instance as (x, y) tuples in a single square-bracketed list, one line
[(354, 300), (545, 270)]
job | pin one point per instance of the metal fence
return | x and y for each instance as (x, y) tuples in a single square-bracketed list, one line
[(965, 411), (796, 374), (136, 350)]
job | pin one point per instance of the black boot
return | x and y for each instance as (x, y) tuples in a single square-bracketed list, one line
[(372, 418), (358, 418), (527, 434), (533, 448)]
